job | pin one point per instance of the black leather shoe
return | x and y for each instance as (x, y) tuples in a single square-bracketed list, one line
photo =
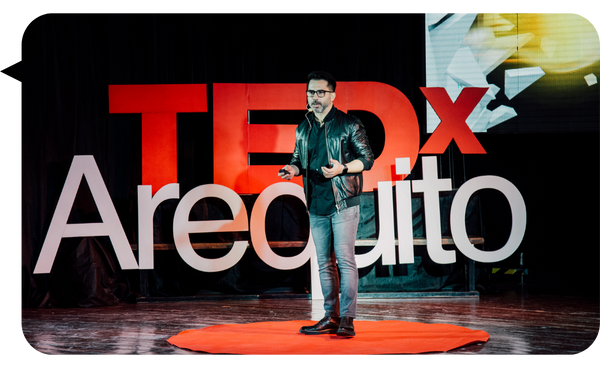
[(346, 328), (327, 325)]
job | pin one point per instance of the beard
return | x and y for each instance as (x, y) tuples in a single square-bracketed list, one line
[(318, 107)]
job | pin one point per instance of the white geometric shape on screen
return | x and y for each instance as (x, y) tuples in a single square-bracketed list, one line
[(494, 89), (516, 80), (591, 79), (479, 40), (502, 49), (497, 23), (479, 120), (443, 38), (460, 54), (548, 46), (433, 18), (480, 117), (464, 69), (500, 115)]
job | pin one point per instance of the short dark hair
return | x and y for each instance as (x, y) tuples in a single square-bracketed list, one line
[(322, 76)]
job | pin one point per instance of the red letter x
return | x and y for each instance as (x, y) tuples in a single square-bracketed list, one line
[(453, 116)]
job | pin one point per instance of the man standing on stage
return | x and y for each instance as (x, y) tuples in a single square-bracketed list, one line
[(332, 150)]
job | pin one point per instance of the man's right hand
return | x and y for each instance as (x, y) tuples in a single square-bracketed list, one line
[(287, 172)]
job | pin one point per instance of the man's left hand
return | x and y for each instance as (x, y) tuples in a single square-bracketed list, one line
[(335, 169)]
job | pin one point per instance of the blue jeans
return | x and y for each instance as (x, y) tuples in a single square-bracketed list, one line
[(334, 237)]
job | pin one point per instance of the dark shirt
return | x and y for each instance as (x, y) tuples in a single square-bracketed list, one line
[(320, 190)]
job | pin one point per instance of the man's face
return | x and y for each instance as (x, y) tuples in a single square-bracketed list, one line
[(320, 104)]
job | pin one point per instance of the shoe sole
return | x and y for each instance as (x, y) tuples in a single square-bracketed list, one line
[(324, 332), (346, 334)]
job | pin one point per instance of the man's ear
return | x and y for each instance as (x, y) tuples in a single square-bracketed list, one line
[(332, 96)]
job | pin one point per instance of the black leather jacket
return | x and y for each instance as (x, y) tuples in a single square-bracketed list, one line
[(346, 141)]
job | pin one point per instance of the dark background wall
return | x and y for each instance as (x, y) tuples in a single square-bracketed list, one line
[(69, 60)]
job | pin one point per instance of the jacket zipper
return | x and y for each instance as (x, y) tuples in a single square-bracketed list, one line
[(337, 206)]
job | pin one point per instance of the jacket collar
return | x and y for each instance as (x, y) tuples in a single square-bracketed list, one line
[(328, 117)]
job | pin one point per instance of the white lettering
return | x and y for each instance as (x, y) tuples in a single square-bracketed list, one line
[(110, 225), (457, 218), (182, 227), (431, 187), (147, 205), (385, 242), (406, 253)]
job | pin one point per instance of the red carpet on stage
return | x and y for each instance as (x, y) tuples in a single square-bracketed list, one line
[(380, 337)]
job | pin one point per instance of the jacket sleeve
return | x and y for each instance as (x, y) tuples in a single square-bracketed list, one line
[(359, 143), (296, 155)]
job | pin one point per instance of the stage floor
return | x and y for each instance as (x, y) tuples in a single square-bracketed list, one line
[(518, 322)]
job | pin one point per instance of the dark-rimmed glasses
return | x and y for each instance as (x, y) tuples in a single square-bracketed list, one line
[(320, 93)]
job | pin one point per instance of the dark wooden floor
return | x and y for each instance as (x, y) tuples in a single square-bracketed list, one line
[(517, 322)]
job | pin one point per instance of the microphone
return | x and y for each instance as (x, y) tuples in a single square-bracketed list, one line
[(309, 110)]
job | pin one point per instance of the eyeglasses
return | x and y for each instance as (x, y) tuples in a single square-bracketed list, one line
[(320, 93)]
